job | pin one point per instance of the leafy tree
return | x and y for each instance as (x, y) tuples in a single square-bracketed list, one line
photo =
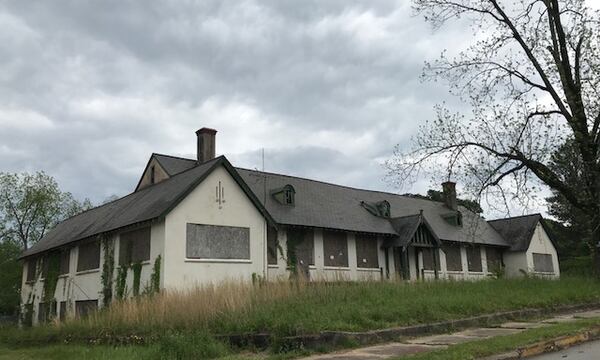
[(10, 277), (531, 78), (439, 196), (30, 205)]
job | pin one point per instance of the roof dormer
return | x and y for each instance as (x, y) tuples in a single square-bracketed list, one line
[(285, 195), (380, 208)]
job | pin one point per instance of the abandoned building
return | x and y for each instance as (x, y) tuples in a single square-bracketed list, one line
[(198, 221)]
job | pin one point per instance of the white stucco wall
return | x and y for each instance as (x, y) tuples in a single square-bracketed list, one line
[(320, 272), (87, 285), (517, 262), (541, 244), (200, 207)]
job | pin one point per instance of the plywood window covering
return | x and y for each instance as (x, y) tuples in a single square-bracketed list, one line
[(217, 242), (335, 248), (134, 246), (367, 254), (271, 246), (65, 259), (31, 268), (89, 256), (543, 263), (494, 258), (474, 258), (428, 254), (453, 257), (43, 316), (85, 307), (305, 248)]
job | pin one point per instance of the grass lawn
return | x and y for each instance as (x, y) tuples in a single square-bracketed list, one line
[(176, 322), (503, 344)]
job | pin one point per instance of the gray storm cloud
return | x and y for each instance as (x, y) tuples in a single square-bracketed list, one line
[(88, 90)]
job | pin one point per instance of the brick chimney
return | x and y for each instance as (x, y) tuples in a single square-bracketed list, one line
[(206, 144), (450, 195)]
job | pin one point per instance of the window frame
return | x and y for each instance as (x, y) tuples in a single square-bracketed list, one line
[(337, 248), (366, 240), (128, 241), (200, 258), (547, 258), (454, 247), (86, 245), (474, 250)]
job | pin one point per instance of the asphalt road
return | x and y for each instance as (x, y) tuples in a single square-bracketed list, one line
[(586, 351)]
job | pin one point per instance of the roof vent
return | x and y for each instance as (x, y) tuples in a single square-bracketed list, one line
[(380, 209), (285, 195)]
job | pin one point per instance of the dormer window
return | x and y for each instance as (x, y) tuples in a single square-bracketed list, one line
[(285, 195), (380, 208), (454, 219)]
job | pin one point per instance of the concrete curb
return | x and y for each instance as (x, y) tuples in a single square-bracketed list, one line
[(336, 339), (554, 345)]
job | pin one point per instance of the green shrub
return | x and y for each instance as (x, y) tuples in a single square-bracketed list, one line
[(577, 266)]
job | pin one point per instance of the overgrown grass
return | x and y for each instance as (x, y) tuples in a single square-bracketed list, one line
[(577, 266), (284, 309)]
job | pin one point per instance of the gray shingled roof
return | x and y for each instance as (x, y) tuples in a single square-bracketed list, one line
[(517, 231), (147, 204), (326, 205), (174, 165)]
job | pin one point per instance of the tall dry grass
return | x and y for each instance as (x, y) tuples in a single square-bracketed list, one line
[(195, 307)]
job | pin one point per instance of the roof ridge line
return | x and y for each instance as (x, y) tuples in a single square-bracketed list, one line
[(178, 157), (338, 185), (517, 217)]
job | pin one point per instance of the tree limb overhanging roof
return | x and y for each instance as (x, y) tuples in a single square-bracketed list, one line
[(518, 231)]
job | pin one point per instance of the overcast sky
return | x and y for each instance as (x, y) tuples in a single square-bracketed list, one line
[(89, 89)]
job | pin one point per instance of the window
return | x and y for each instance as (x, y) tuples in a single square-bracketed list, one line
[(303, 242), (217, 242), (474, 259), (289, 197), (152, 174), (428, 258), (453, 257), (335, 248), (63, 311), (65, 259), (543, 263), (494, 259), (284, 195), (271, 246), (31, 269), (134, 246), (89, 256), (85, 307), (43, 315), (367, 254)]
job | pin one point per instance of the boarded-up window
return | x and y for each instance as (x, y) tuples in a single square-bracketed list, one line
[(428, 258), (453, 257), (217, 242), (474, 258), (43, 315), (65, 258), (31, 269), (335, 248), (543, 263), (272, 246), (134, 246), (494, 259), (367, 254), (303, 242), (89, 256), (63, 310), (85, 307)]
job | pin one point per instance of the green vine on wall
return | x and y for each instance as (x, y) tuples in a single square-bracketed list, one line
[(137, 273), (107, 270), (155, 277), (121, 286), (51, 281)]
